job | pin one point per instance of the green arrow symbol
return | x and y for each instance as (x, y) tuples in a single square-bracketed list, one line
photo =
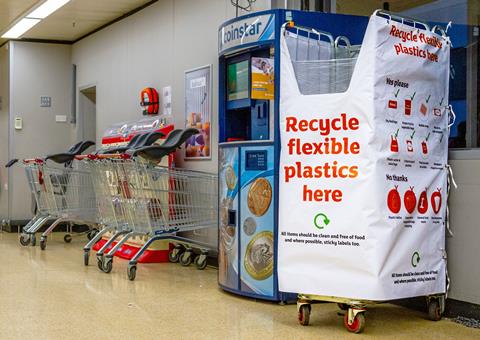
[(413, 96), (428, 98), (428, 136), (396, 133), (326, 221), (396, 94), (413, 134), (441, 101)]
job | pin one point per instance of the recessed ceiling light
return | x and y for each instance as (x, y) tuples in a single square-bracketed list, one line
[(47, 8), (20, 28)]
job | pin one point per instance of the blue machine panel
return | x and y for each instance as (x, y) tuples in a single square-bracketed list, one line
[(257, 220), (228, 214)]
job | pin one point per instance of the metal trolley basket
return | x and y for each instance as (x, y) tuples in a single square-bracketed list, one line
[(137, 198), (62, 191)]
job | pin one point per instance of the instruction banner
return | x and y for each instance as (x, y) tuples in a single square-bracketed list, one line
[(363, 173)]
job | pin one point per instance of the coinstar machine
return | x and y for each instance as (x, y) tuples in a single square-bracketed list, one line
[(249, 151), (333, 160)]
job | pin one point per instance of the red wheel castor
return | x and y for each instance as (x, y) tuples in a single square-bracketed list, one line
[(358, 324), (304, 315), (434, 310)]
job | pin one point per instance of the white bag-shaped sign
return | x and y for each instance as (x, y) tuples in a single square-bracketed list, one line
[(363, 173)]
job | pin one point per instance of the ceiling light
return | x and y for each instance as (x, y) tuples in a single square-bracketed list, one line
[(20, 28), (47, 8)]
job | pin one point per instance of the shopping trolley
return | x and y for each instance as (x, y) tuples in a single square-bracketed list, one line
[(145, 200), (47, 186), (108, 188)]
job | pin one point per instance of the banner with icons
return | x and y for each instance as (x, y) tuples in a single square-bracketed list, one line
[(362, 182)]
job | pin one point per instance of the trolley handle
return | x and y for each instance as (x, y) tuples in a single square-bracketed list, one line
[(11, 163), (33, 160), (96, 157)]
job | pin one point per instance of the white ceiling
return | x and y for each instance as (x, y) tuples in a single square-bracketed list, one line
[(72, 21)]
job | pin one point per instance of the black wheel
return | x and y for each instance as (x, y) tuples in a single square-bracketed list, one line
[(86, 257), (100, 262), (343, 306), (132, 272), (200, 262), (174, 255), (33, 240), (304, 315), (67, 238), (186, 258), (358, 324), (24, 240), (434, 310), (43, 243), (107, 265)]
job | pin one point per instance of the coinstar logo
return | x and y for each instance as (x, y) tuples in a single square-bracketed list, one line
[(246, 30), (249, 30)]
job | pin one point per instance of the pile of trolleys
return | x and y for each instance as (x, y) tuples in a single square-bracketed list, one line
[(122, 192)]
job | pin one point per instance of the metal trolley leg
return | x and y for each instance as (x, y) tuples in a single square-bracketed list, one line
[(92, 242), (28, 235), (108, 260), (43, 239), (102, 250)]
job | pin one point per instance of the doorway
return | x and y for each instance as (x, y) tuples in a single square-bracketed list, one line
[(87, 105)]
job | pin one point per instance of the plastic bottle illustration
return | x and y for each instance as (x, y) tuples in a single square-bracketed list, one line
[(423, 202)]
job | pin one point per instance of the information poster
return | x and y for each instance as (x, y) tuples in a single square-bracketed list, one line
[(363, 173), (262, 78), (198, 106)]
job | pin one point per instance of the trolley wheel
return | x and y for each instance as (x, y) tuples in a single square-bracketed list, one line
[(434, 310), (92, 233), (86, 257), (358, 324), (132, 272), (304, 315), (200, 261), (343, 306), (43, 243), (33, 240), (107, 265), (24, 240), (174, 255), (67, 238), (100, 262), (186, 258)]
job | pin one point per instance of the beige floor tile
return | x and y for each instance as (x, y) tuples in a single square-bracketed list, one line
[(52, 295)]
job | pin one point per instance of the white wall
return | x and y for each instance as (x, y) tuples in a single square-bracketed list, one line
[(4, 95), (37, 70), (463, 248), (153, 48)]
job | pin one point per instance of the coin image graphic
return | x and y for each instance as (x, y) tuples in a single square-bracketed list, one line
[(249, 226), (259, 197), (258, 259), (230, 178)]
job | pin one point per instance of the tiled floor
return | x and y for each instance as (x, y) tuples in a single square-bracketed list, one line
[(52, 295)]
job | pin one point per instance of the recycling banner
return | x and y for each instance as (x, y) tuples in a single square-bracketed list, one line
[(362, 183)]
